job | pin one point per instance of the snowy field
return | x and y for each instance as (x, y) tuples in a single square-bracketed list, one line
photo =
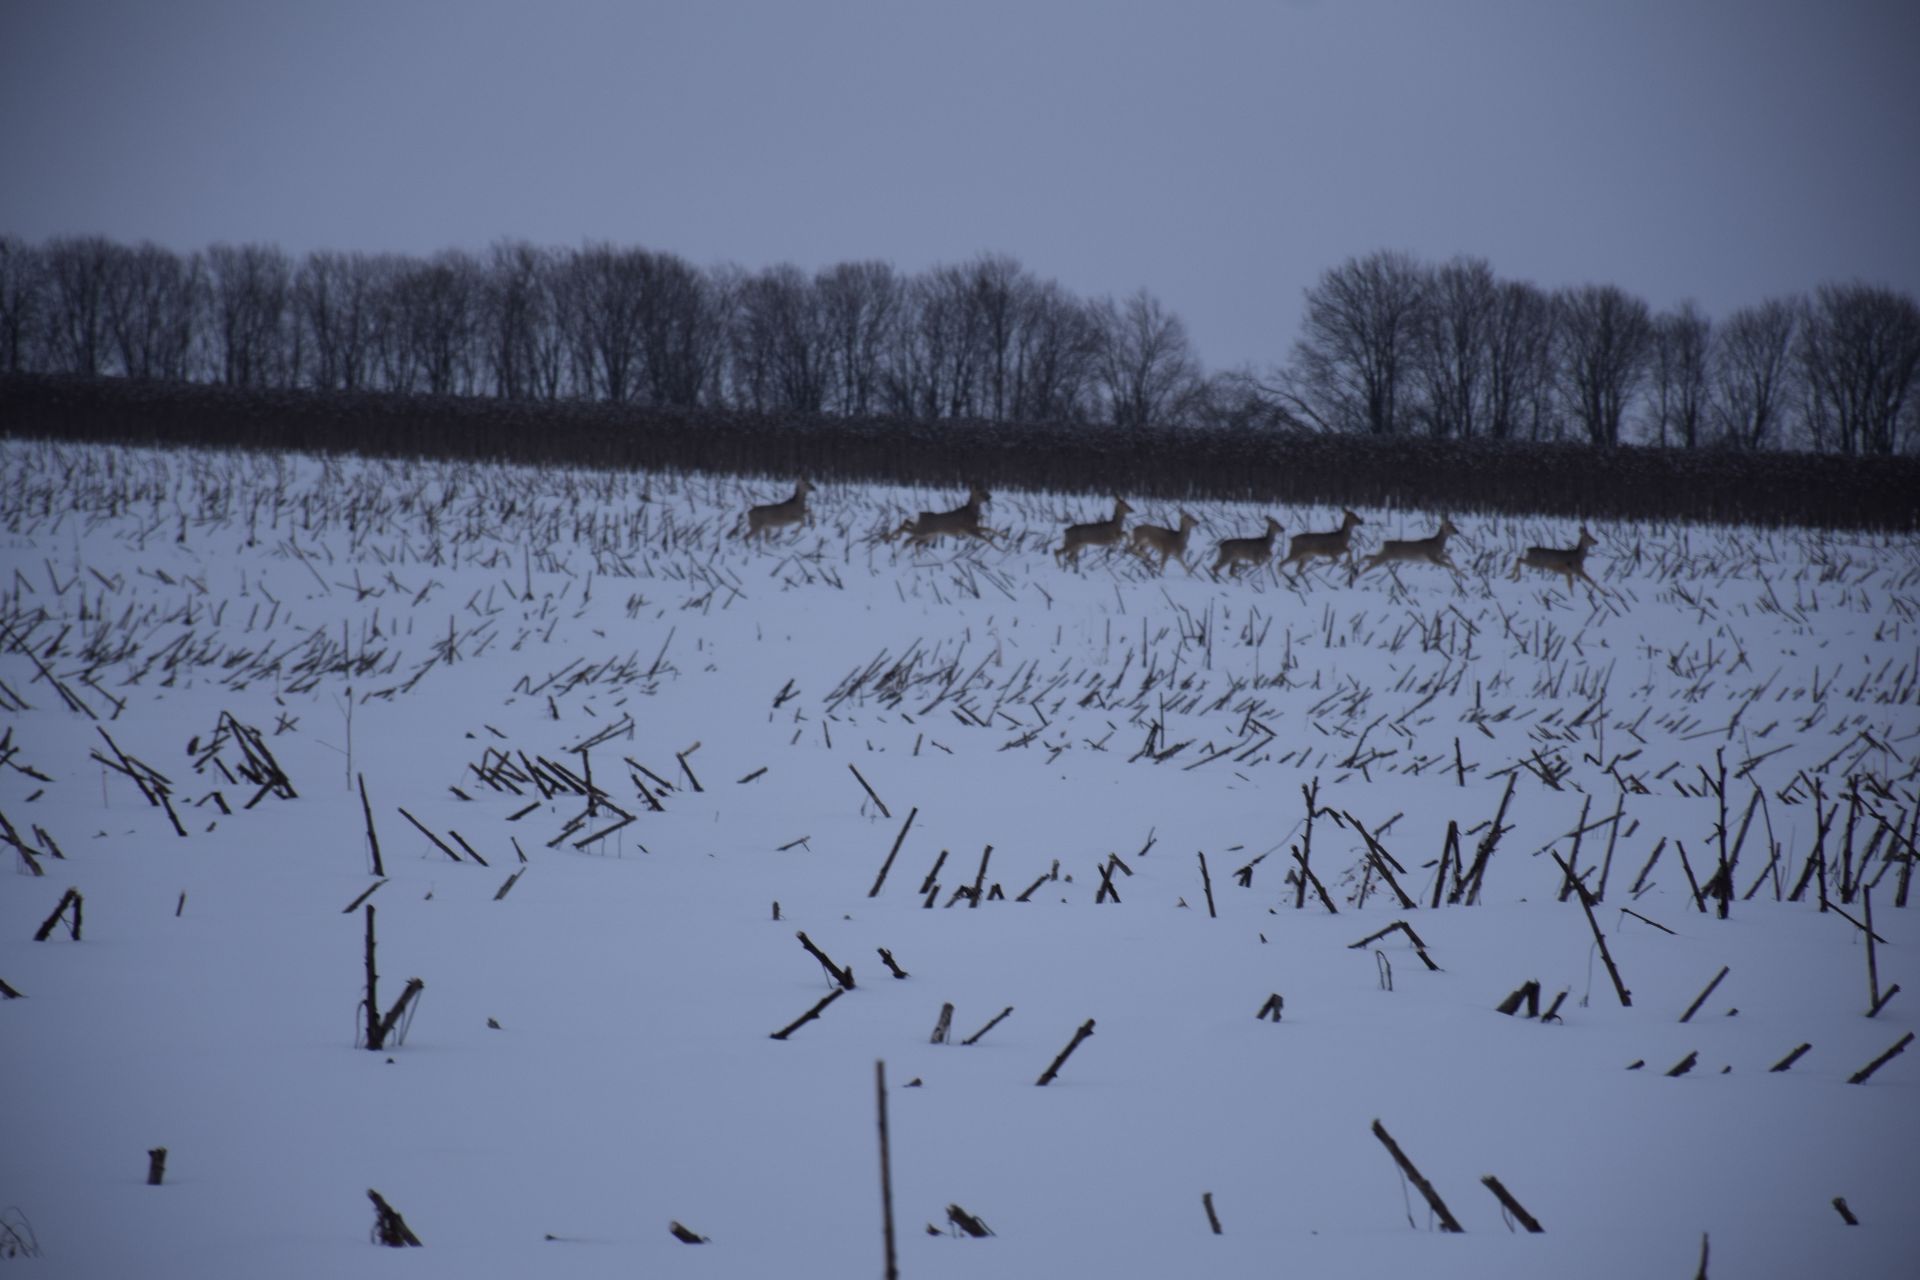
[(637, 754)]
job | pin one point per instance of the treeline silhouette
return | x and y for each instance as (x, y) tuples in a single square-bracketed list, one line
[(982, 339), (1388, 345), (1251, 463)]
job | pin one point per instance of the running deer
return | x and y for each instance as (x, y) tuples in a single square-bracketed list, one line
[(1568, 562), (1235, 552), (1334, 545), (1416, 550), (1170, 543), (934, 524), (1098, 533), (778, 515)]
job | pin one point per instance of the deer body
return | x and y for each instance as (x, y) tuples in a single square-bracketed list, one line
[(1098, 533), (1170, 543), (1431, 550), (1568, 562), (963, 519), (778, 515), (1235, 552), (1333, 545)]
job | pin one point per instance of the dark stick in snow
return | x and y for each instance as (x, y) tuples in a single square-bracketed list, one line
[(810, 1014), (438, 842), (991, 1024), (389, 1227), (1398, 926), (842, 976), (1310, 878), (980, 880), (891, 853), (1873, 962), (1586, 904), (1086, 1029), (1527, 1220), (1527, 992), (1702, 997), (1434, 1202), (373, 840), (886, 1168), (70, 898), (882, 805), (933, 876), (1861, 1076), (1790, 1059)]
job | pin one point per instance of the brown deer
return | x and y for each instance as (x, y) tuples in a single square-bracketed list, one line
[(1431, 550), (963, 519), (1170, 543), (1568, 562), (778, 515), (1334, 545), (1235, 552), (1098, 533)]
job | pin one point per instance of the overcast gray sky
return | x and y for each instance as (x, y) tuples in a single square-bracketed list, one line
[(1221, 155)]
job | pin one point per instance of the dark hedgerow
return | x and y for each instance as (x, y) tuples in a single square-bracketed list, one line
[(1266, 467)]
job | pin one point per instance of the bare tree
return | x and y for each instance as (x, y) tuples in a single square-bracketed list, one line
[(682, 331), (436, 302), (176, 303), (550, 342), (1753, 372), (334, 303), (1606, 335), (1056, 352), (1520, 362), (506, 315), (522, 321), (79, 276), (393, 356), (1860, 354), (1452, 341), (1352, 363), (605, 285), (933, 366), (860, 302), (1680, 355), (783, 356), (23, 305), (136, 284), (250, 286), (1146, 365), (999, 290)]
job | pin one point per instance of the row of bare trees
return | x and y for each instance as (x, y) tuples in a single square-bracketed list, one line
[(1394, 346), (982, 340), (1389, 345)]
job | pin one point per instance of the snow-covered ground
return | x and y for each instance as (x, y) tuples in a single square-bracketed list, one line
[(472, 641)]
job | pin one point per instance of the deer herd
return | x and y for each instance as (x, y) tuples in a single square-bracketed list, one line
[(1149, 541)]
